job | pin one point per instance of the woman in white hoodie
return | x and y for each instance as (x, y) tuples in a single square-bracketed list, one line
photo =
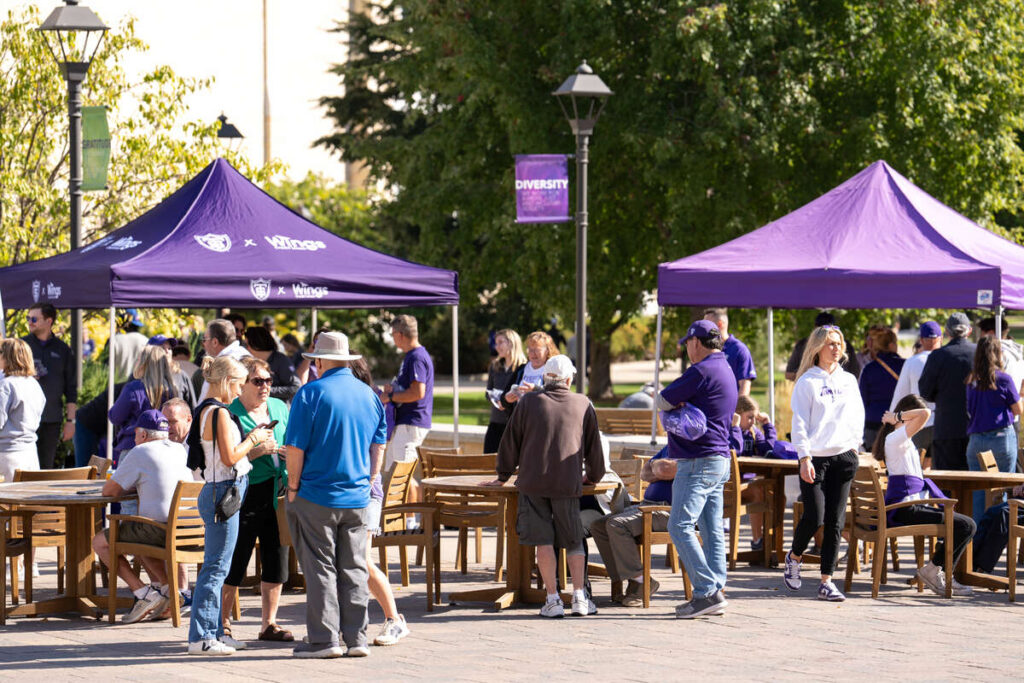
[(828, 419)]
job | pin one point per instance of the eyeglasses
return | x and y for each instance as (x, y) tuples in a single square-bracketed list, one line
[(33, 319), (261, 381), (831, 327)]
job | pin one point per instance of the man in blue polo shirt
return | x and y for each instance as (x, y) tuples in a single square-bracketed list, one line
[(702, 468), (335, 447), (736, 352)]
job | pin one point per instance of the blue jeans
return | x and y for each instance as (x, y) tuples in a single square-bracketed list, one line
[(219, 547), (1003, 444), (86, 442), (697, 499)]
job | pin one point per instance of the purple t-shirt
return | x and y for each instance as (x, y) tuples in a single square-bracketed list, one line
[(711, 386), (659, 490), (738, 355), (416, 367), (990, 409)]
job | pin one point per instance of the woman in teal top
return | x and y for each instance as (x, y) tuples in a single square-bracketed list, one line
[(255, 408)]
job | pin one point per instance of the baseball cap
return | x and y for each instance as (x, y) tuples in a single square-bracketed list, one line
[(701, 329), (930, 330), (559, 368), (958, 319), (159, 339), (152, 420), (824, 318)]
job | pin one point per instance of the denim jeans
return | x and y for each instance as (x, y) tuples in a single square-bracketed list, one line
[(218, 549), (86, 442), (1003, 444), (697, 499)]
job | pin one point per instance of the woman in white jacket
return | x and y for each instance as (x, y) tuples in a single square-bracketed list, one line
[(828, 425)]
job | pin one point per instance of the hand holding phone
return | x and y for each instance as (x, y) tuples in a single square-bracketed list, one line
[(269, 425)]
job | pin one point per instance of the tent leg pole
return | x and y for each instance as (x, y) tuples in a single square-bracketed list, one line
[(110, 386), (771, 364), (313, 327), (657, 379), (455, 375), (999, 321)]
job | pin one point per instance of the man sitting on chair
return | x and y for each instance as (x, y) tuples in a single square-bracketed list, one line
[(152, 469), (616, 535)]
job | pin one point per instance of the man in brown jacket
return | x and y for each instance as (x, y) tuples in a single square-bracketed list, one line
[(551, 436)]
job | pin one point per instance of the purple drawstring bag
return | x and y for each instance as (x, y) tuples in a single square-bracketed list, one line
[(687, 422), (784, 450)]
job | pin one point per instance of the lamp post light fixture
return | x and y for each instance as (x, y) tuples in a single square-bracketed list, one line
[(228, 132), (586, 95), (73, 35)]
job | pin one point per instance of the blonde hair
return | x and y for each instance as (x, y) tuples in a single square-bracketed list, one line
[(543, 339), (815, 343), (406, 326), (17, 357), (218, 372), (745, 404), (515, 352), (155, 371)]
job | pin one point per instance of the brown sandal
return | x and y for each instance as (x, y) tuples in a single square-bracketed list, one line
[(277, 634)]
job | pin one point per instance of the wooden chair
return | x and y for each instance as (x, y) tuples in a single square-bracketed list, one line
[(648, 539), (987, 463), (734, 508), (464, 511), (395, 534), (626, 421), (49, 528), (629, 473), (643, 454), (868, 523), (1016, 534), (101, 465), (185, 542), (15, 542)]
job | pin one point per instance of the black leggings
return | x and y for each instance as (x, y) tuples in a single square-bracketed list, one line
[(825, 504), (492, 439), (963, 529), (259, 520)]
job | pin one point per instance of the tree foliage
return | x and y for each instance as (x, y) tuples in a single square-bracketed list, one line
[(725, 116)]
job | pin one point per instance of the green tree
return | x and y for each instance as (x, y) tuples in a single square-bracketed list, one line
[(725, 116)]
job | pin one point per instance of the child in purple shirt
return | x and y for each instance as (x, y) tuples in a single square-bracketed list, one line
[(749, 441)]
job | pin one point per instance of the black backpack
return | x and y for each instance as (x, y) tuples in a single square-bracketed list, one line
[(196, 456)]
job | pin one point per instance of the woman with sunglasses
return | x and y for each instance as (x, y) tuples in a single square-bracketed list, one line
[(828, 426), (254, 408)]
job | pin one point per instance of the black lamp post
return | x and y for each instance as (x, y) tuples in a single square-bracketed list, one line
[(228, 132), (73, 35), (587, 95)]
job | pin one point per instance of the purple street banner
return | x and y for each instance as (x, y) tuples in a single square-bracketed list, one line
[(542, 188)]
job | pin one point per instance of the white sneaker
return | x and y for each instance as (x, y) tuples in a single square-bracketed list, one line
[(579, 604), (553, 609), (152, 605), (231, 642), (931, 576), (209, 647), (35, 570), (960, 589), (357, 651), (392, 631)]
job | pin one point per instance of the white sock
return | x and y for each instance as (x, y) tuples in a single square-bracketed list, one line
[(141, 592), (160, 588), (579, 595), (553, 598)]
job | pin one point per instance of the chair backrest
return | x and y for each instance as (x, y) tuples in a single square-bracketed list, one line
[(396, 492), (629, 472), (71, 474), (868, 500), (185, 524), (731, 493), (101, 465), (639, 452), (987, 461), (626, 421), (443, 465), (421, 450)]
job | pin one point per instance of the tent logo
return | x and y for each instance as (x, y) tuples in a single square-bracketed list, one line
[(214, 242), (98, 243), (36, 286), (124, 243), (52, 291), (260, 288), (984, 297), (284, 243), (304, 291)]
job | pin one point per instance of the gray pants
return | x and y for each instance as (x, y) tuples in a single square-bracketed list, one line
[(616, 537), (331, 547)]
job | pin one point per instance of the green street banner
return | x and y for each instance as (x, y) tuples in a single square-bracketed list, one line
[(95, 148)]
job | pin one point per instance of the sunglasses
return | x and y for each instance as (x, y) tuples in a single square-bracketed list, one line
[(261, 381), (831, 327), (33, 319)]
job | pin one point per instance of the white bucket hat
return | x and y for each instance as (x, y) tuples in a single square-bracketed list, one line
[(332, 346), (559, 368)]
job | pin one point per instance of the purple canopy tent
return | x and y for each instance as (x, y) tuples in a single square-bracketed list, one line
[(876, 241), (221, 241)]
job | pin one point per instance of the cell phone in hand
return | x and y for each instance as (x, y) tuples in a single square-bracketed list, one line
[(269, 425)]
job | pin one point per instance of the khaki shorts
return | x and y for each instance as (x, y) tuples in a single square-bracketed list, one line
[(550, 521), (137, 532)]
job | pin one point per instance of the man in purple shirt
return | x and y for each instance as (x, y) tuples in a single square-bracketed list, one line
[(412, 392), (702, 467), (736, 352)]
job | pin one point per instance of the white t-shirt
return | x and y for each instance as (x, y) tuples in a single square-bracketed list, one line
[(534, 376), (216, 470), (902, 458), (153, 470), (910, 383)]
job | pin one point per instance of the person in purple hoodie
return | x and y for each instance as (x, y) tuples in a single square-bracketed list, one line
[(749, 441)]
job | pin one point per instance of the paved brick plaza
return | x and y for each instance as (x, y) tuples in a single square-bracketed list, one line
[(767, 634)]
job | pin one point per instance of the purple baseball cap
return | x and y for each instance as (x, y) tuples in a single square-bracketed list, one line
[(930, 330), (702, 329), (152, 420)]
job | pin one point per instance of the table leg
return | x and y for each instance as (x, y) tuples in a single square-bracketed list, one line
[(503, 596), (965, 573), (778, 523)]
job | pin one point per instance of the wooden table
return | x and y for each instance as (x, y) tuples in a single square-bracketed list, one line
[(519, 558), (81, 498), (776, 470), (961, 486)]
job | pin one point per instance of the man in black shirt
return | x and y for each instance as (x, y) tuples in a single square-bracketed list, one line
[(55, 370), (942, 382)]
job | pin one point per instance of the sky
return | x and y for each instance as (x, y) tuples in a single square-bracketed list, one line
[(223, 39)]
